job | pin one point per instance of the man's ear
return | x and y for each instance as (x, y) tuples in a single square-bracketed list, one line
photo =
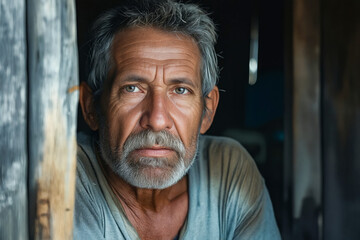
[(88, 106), (211, 103)]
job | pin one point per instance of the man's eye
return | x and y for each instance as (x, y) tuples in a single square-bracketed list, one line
[(181, 90), (131, 88)]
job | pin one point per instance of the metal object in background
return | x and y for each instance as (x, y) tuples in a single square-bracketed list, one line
[(254, 46)]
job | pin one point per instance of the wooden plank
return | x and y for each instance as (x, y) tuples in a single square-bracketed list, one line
[(306, 117), (13, 85), (53, 96), (341, 118), (306, 108), (286, 216)]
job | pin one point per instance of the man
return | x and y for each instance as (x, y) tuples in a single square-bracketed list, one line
[(146, 172)]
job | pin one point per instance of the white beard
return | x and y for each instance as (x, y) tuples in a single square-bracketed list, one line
[(148, 172)]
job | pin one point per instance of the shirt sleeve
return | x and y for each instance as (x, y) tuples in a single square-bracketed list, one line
[(265, 227), (88, 219), (249, 210)]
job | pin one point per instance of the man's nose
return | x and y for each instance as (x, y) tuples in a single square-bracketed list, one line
[(156, 115)]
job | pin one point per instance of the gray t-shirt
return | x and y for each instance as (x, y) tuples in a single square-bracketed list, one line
[(227, 197)]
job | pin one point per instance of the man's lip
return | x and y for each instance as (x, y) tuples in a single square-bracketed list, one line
[(155, 151)]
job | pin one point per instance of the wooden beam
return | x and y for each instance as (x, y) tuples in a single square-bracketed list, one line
[(341, 118), (13, 105), (53, 96), (306, 117)]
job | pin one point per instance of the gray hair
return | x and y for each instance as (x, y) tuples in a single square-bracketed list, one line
[(167, 15)]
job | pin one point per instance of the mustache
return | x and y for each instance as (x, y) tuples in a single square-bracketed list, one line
[(148, 138)]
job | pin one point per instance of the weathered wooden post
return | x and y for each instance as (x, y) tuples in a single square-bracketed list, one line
[(341, 118), (13, 105), (326, 119), (306, 119), (53, 96)]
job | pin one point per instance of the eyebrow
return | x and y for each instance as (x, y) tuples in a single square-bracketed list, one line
[(136, 78), (183, 81)]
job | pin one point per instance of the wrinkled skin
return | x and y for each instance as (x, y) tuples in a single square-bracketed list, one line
[(155, 85)]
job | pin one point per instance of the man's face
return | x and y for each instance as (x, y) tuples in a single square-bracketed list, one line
[(152, 107)]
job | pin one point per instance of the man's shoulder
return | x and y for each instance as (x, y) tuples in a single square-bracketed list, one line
[(219, 148), (85, 159), (84, 150), (220, 141), (225, 158)]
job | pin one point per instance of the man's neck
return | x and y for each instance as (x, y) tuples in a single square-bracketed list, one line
[(154, 213), (147, 199)]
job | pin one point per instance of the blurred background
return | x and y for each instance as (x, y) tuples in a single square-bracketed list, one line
[(290, 91)]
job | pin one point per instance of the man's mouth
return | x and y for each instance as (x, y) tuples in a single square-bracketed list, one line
[(155, 151)]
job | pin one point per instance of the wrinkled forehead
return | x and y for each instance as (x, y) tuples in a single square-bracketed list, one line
[(138, 51), (152, 40), (155, 44)]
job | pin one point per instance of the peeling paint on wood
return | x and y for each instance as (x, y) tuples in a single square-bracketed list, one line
[(53, 96), (13, 105)]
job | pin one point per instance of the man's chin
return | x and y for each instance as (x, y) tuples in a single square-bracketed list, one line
[(152, 177), (156, 172)]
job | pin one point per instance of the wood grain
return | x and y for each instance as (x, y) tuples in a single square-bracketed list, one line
[(306, 113), (53, 96), (13, 105)]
